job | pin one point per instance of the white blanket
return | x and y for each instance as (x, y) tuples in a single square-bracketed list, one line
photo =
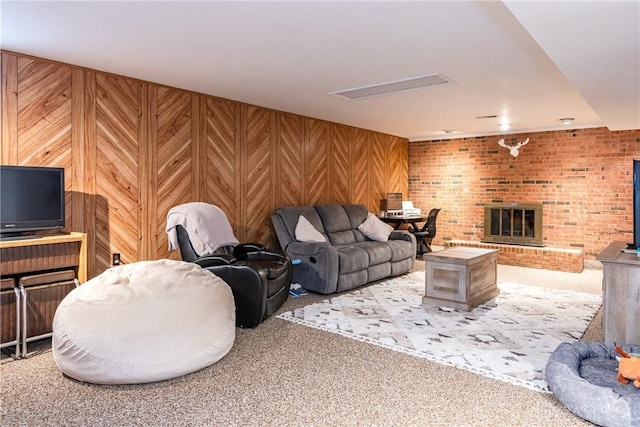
[(207, 225)]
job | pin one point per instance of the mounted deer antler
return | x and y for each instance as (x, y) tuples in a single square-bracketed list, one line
[(513, 150)]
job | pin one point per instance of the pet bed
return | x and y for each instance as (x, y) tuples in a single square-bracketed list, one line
[(143, 322), (583, 377)]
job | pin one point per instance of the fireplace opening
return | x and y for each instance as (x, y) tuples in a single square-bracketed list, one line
[(513, 223)]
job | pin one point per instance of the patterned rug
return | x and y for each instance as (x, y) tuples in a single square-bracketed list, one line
[(508, 338)]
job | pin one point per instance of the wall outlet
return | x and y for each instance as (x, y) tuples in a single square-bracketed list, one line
[(115, 259)]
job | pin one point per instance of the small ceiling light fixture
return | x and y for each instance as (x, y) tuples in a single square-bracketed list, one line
[(566, 120), (448, 131), (504, 126)]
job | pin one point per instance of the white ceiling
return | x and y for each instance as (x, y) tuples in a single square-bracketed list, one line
[(528, 62)]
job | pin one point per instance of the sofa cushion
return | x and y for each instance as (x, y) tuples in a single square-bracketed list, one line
[(340, 238), (334, 218), (378, 271), (306, 232), (356, 213), (400, 249), (336, 224), (375, 229), (352, 280), (352, 258), (376, 251), (291, 214)]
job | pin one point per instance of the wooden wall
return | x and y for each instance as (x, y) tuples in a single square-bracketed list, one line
[(132, 149)]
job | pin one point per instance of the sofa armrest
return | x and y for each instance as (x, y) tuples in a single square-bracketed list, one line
[(215, 260), (241, 250), (402, 235), (318, 268), (281, 232), (407, 236)]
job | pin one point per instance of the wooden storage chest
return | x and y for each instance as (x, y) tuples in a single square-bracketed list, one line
[(461, 277)]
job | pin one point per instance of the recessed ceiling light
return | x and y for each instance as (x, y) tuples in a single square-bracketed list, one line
[(504, 126), (567, 120), (448, 131)]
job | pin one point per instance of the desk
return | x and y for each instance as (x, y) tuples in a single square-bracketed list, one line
[(398, 220)]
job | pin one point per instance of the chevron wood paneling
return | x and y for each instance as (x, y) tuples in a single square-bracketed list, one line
[(379, 160), (117, 161), (223, 157), (173, 159), (79, 162), (340, 165), (44, 119), (317, 161), (86, 118), (397, 172), (257, 189), (9, 109), (360, 168), (291, 169), (133, 149)]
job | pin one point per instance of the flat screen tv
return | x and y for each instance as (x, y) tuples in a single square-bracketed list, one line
[(31, 200), (636, 204)]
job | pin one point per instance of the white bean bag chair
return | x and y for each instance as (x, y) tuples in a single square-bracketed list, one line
[(143, 322)]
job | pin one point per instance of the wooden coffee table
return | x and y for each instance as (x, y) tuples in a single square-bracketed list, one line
[(461, 278)]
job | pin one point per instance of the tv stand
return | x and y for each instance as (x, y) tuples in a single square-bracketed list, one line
[(36, 273), (12, 237), (621, 291), (39, 253)]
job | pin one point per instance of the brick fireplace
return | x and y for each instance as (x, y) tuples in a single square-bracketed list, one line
[(515, 230), (559, 259), (513, 223), (583, 177)]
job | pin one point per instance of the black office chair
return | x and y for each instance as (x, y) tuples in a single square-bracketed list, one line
[(259, 278), (425, 235)]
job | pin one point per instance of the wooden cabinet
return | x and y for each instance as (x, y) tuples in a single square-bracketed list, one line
[(19, 257), (461, 278), (621, 294)]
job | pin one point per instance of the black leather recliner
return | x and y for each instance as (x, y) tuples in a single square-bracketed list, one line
[(259, 278)]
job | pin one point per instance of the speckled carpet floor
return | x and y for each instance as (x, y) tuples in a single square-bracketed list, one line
[(508, 338), (285, 374)]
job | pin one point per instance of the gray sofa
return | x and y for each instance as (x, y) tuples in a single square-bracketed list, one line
[(348, 258)]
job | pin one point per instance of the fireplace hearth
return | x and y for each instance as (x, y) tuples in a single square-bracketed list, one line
[(513, 223)]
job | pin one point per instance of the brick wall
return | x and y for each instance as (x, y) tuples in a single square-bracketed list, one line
[(548, 258), (582, 177)]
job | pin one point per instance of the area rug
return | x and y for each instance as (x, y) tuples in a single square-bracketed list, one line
[(509, 338)]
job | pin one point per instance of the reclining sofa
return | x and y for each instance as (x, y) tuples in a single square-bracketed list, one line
[(347, 258)]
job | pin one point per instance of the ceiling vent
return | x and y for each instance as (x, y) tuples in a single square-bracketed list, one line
[(394, 86)]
